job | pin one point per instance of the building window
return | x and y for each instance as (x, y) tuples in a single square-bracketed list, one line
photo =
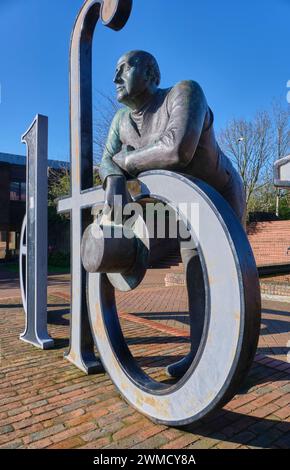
[(9, 245), (23, 191), (17, 191), (2, 244), (14, 191)]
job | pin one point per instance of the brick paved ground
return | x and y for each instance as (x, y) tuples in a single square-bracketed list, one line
[(9, 284), (45, 402)]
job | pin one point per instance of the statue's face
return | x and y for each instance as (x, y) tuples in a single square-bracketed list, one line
[(131, 79)]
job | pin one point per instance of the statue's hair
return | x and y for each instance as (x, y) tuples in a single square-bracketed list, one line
[(151, 63)]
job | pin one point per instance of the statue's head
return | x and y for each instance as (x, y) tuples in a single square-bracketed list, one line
[(137, 73)]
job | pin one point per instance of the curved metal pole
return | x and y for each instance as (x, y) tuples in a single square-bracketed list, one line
[(115, 15), (23, 267)]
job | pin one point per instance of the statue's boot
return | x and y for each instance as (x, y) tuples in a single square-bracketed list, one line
[(196, 302)]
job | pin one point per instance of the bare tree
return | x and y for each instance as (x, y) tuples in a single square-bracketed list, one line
[(281, 129), (58, 183), (249, 146), (105, 108), (281, 142), (253, 146)]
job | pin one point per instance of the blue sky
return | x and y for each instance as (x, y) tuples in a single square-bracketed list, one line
[(237, 50)]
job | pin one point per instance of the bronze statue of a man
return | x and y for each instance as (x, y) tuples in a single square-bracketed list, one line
[(169, 129)]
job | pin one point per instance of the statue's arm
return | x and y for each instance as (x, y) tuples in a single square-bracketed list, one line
[(187, 108), (113, 146)]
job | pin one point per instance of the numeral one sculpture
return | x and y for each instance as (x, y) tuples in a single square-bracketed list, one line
[(33, 252)]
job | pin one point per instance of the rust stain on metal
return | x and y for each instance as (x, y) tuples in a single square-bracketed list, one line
[(72, 356), (134, 187), (98, 324), (160, 405), (237, 315)]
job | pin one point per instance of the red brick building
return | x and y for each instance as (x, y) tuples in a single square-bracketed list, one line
[(12, 200)]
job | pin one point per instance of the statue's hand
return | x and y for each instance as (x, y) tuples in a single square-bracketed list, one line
[(120, 159), (116, 197)]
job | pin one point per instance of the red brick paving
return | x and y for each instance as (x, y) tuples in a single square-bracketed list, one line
[(45, 402)]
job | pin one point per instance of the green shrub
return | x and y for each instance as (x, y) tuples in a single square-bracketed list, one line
[(58, 259)]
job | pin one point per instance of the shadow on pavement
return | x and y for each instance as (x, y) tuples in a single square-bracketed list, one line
[(55, 317), (242, 429)]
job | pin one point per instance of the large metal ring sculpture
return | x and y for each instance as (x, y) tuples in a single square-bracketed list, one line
[(232, 313)]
